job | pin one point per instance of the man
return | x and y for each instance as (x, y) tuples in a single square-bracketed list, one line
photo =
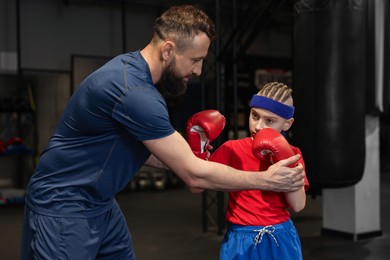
[(114, 123)]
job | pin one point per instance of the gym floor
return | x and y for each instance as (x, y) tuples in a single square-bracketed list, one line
[(167, 225)]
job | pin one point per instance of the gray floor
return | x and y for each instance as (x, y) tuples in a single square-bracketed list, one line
[(167, 225)]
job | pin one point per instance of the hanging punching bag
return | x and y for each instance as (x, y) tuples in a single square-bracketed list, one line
[(329, 90), (386, 65)]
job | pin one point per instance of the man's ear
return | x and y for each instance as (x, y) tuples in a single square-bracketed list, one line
[(167, 50), (288, 124)]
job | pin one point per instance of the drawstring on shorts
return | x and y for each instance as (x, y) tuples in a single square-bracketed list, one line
[(265, 230)]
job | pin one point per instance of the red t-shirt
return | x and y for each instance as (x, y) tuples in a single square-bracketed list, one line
[(251, 207)]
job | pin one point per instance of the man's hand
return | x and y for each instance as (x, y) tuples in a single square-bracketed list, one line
[(282, 178)]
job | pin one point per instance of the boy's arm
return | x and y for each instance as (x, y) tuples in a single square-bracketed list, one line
[(296, 199), (269, 141)]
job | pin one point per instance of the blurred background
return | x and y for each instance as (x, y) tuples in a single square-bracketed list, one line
[(334, 54)]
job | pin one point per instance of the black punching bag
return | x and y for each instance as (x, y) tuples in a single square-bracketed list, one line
[(329, 90)]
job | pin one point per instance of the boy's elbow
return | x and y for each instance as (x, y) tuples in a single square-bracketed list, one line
[(297, 207)]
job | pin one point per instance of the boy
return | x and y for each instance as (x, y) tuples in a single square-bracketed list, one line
[(259, 224)]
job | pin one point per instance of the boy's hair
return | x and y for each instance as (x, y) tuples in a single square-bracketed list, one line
[(276, 91), (181, 23)]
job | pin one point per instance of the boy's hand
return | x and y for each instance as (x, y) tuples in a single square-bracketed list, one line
[(270, 142)]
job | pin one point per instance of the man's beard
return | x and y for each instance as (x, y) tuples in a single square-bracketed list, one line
[(172, 82)]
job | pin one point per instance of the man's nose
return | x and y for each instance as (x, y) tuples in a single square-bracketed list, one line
[(197, 69)]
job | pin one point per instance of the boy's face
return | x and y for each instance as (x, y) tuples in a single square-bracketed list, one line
[(260, 118)]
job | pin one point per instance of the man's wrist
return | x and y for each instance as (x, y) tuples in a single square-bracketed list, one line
[(262, 179)]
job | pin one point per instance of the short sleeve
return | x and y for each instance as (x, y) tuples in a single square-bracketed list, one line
[(298, 151), (143, 112)]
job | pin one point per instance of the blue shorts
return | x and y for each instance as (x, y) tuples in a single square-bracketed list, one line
[(280, 241), (102, 237)]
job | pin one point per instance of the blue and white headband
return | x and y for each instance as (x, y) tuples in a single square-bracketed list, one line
[(274, 106)]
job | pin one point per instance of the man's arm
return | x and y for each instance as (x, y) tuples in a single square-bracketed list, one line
[(175, 153), (152, 161)]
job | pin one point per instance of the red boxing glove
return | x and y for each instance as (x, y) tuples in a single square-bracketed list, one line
[(270, 142), (202, 128)]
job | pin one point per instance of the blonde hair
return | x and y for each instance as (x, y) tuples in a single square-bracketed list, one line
[(276, 91)]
